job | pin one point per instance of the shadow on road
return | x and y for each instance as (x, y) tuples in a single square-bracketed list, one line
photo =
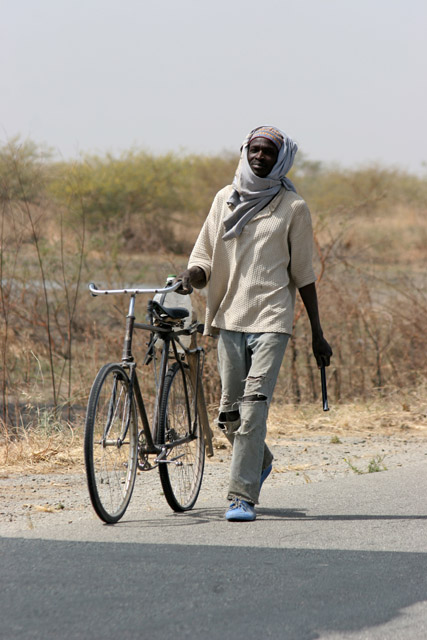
[(206, 515), (110, 590), (289, 513), (202, 516)]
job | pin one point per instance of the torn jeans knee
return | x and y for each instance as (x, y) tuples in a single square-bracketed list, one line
[(257, 388), (229, 422), (256, 397)]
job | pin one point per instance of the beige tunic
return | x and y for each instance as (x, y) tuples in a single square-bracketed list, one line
[(253, 278)]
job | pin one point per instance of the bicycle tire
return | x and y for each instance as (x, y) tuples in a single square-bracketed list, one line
[(110, 464), (181, 476)]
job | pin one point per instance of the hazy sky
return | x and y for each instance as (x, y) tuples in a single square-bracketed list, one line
[(347, 80)]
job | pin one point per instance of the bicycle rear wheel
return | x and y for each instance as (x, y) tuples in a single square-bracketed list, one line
[(111, 443), (181, 476)]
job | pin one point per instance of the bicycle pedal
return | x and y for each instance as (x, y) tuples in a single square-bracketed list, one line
[(145, 466)]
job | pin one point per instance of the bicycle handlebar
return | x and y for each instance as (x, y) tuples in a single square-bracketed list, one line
[(97, 292)]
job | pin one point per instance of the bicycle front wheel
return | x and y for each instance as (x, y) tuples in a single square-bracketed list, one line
[(182, 472), (111, 443)]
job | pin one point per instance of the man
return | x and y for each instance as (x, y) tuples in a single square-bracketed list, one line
[(255, 249)]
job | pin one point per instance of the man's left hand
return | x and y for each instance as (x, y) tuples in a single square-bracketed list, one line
[(322, 351)]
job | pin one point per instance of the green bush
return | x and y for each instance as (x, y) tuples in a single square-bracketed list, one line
[(24, 170)]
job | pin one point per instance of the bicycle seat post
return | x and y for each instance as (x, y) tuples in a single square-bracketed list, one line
[(130, 319)]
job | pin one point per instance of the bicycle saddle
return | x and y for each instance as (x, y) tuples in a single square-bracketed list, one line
[(175, 313)]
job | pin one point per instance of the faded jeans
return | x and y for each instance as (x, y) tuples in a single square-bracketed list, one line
[(248, 364)]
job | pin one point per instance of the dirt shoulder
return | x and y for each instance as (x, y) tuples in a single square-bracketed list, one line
[(309, 446)]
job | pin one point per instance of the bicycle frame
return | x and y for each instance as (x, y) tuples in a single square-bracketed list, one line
[(170, 337)]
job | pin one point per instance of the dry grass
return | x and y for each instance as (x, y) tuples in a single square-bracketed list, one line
[(41, 451), (389, 418), (397, 417), (38, 451)]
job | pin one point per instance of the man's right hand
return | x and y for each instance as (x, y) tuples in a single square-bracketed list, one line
[(193, 276), (185, 287)]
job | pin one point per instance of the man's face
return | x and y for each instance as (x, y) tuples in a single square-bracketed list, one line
[(262, 156)]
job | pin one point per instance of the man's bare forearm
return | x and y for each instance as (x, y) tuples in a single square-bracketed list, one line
[(309, 298), (321, 349)]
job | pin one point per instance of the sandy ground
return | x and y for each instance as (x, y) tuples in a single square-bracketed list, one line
[(325, 452)]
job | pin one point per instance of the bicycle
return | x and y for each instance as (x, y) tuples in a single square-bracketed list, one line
[(114, 445)]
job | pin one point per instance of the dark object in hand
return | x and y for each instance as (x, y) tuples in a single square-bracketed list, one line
[(324, 390)]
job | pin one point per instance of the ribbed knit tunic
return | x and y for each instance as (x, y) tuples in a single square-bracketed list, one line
[(252, 279)]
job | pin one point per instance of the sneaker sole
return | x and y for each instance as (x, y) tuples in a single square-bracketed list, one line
[(235, 518)]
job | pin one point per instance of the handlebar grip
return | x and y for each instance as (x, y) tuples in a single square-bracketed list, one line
[(92, 285)]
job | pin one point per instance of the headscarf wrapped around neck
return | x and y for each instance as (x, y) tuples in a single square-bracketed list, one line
[(251, 193)]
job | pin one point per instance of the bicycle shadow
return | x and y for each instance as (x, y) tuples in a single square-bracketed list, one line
[(170, 520)]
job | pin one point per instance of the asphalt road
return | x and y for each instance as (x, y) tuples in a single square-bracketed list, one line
[(345, 558)]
